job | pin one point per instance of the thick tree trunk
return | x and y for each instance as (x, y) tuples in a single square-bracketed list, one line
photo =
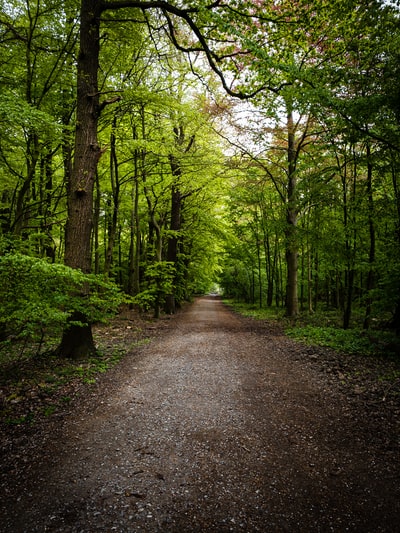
[(177, 197), (78, 341)]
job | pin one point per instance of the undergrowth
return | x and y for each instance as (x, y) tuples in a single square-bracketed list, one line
[(323, 329), (253, 311), (351, 341), (43, 379)]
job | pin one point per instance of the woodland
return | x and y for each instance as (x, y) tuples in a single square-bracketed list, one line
[(154, 150)]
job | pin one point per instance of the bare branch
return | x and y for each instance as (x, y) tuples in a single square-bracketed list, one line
[(109, 102)]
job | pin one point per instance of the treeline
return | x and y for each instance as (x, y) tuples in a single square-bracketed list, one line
[(316, 210)]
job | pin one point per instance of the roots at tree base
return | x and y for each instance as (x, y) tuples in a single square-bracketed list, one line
[(77, 340)]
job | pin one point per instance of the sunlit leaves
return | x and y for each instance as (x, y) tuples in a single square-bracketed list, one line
[(38, 297)]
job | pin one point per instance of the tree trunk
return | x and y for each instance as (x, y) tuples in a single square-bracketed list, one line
[(115, 185), (350, 243), (316, 281), (309, 282), (269, 272), (292, 306), (137, 253), (371, 258), (260, 287), (395, 322), (349, 298), (135, 244), (96, 222), (78, 341), (22, 212), (175, 226)]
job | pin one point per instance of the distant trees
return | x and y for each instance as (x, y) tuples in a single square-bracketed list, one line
[(341, 155)]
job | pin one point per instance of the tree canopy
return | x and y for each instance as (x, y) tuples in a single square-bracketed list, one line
[(174, 147)]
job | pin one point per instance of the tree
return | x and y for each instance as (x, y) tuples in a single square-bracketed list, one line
[(325, 81), (37, 46)]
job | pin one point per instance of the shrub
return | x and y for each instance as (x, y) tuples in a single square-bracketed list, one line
[(347, 340), (37, 297)]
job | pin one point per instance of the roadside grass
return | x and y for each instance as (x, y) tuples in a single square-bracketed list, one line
[(254, 311), (323, 329), (351, 341), (371, 357)]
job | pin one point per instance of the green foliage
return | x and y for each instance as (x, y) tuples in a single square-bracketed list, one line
[(38, 297), (353, 341), (253, 311), (159, 277), (338, 65), (17, 113)]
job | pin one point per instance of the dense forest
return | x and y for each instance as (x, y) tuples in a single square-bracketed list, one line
[(152, 150)]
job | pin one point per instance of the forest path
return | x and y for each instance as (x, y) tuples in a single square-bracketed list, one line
[(219, 424)]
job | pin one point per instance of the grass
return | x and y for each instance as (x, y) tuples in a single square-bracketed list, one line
[(323, 329), (352, 341), (253, 311)]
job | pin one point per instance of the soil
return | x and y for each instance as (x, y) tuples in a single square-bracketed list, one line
[(220, 423)]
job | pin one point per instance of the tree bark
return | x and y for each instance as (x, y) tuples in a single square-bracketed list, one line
[(115, 186), (176, 208), (292, 306), (371, 256), (135, 244), (175, 226), (395, 322), (78, 341)]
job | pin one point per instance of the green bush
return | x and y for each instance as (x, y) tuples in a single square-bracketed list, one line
[(37, 297)]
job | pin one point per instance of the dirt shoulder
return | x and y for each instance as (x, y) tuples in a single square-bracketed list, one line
[(219, 424)]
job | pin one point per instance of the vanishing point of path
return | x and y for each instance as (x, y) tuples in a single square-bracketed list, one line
[(219, 424)]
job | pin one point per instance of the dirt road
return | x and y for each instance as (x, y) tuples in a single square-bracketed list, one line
[(219, 424)]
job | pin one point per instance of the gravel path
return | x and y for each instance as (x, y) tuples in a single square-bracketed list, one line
[(217, 425)]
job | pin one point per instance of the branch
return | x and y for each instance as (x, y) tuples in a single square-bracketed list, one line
[(144, 6), (18, 36), (190, 144), (108, 102), (186, 15)]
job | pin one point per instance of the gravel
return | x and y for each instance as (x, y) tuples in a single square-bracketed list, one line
[(219, 424)]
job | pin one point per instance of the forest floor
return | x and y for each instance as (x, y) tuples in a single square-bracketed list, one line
[(219, 423)]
